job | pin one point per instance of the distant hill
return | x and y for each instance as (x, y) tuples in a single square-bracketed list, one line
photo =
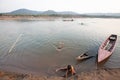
[(24, 12), (48, 12), (70, 13)]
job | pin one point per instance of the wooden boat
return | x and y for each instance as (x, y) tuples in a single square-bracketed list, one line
[(68, 20), (83, 57), (106, 49)]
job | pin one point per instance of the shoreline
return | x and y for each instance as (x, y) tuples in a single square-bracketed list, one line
[(27, 18), (99, 74), (45, 17)]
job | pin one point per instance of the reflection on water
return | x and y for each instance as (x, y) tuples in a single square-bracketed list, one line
[(41, 46)]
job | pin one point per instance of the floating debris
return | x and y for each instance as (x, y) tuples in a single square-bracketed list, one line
[(60, 45)]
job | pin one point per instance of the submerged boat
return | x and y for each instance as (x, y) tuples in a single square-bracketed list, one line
[(83, 56), (106, 49)]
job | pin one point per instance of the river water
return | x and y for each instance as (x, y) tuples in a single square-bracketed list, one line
[(30, 46)]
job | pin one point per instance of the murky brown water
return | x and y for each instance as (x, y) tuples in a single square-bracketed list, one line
[(31, 46)]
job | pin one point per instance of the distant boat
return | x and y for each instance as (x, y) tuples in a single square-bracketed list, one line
[(106, 49), (68, 20), (83, 56)]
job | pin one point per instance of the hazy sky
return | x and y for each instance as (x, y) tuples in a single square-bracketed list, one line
[(80, 6)]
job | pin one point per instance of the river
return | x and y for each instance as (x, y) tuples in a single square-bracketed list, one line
[(30, 46)]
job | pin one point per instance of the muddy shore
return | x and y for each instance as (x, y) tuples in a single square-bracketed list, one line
[(99, 74)]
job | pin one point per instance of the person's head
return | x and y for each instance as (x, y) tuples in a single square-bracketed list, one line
[(69, 67)]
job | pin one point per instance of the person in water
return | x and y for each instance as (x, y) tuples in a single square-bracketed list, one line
[(69, 70)]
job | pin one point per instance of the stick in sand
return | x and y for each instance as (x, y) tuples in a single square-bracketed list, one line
[(15, 43)]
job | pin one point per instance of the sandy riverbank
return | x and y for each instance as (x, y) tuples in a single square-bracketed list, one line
[(27, 17), (100, 74)]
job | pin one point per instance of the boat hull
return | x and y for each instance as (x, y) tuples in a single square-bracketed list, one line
[(107, 48)]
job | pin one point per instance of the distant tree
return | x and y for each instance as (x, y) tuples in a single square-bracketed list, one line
[(1, 14)]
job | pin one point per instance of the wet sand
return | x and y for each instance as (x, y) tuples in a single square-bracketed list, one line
[(99, 74)]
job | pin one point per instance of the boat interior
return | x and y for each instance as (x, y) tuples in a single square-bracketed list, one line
[(109, 44)]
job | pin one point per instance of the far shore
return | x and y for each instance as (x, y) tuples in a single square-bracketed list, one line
[(26, 17), (99, 74), (46, 17)]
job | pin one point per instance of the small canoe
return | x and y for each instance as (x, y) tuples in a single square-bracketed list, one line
[(83, 57), (106, 49)]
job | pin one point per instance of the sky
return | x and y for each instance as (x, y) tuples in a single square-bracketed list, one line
[(80, 6)]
